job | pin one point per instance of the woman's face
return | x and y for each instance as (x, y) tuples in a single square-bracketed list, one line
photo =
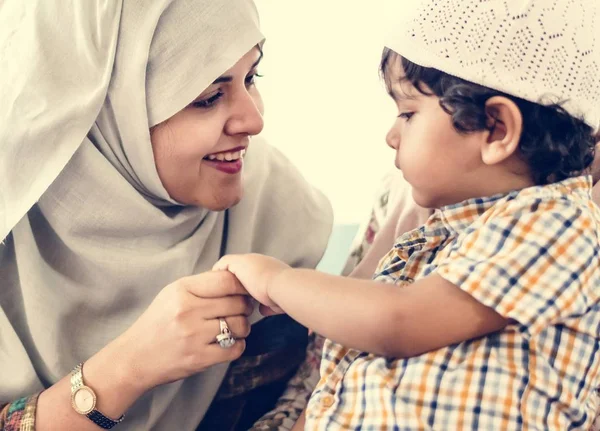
[(199, 151)]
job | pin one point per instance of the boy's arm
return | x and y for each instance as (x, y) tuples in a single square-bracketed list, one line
[(381, 318)]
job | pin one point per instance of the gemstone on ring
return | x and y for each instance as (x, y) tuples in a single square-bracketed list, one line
[(225, 339)]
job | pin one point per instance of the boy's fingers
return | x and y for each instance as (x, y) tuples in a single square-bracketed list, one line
[(224, 263), (268, 311), (221, 264), (215, 284)]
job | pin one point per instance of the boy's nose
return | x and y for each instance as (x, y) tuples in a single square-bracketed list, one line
[(393, 138)]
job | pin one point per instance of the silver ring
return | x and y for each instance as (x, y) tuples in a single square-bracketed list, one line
[(225, 338)]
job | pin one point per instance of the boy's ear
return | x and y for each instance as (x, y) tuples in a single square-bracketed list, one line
[(506, 125)]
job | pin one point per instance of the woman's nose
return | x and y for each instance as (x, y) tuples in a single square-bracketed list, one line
[(247, 115)]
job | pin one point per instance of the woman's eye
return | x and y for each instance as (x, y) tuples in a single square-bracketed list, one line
[(209, 101), (406, 115), (251, 79)]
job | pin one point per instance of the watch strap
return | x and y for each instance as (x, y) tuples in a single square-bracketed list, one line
[(77, 377), (103, 421), (95, 416)]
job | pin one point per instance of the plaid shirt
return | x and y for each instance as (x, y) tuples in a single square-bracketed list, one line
[(531, 255)]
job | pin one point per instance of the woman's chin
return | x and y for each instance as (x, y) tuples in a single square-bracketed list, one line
[(222, 203)]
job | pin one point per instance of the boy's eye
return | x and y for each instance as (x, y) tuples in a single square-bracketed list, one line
[(251, 79), (406, 115), (209, 101)]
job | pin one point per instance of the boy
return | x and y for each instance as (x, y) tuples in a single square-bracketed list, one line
[(496, 323)]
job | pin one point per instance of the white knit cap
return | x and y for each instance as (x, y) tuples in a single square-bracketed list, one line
[(544, 51)]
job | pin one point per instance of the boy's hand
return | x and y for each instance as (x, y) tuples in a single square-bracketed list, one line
[(256, 273)]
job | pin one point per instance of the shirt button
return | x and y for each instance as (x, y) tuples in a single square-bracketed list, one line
[(327, 401)]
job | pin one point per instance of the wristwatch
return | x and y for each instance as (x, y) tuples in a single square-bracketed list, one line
[(83, 400)]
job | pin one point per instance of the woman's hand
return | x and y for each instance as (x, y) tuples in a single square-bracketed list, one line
[(256, 273), (176, 336)]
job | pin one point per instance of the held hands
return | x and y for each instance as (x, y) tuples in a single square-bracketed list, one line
[(256, 273), (176, 336)]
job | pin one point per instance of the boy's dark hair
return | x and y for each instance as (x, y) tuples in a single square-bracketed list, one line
[(554, 144)]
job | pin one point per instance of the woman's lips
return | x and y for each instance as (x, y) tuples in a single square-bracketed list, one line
[(232, 167), (230, 161)]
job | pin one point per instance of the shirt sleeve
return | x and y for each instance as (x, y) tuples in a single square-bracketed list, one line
[(19, 415), (535, 262)]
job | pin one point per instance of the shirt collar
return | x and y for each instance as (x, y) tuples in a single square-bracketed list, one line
[(457, 217)]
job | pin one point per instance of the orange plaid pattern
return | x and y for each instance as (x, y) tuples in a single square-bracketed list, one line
[(533, 256)]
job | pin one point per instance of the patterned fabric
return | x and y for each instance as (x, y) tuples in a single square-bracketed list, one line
[(596, 426), (251, 390), (532, 256), (366, 232), (19, 415), (293, 401), (275, 349)]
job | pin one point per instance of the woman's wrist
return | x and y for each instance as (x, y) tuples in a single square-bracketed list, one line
[(107, 374), (111, 373)]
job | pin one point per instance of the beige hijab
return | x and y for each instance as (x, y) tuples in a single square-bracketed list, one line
[(90, 234)]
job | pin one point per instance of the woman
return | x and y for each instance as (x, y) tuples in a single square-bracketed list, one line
[(131, 123)]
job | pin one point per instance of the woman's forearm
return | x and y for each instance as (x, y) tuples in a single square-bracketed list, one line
[(108, 373)]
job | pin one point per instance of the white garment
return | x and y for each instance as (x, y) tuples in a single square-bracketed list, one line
[(92, 234), (539, 50)]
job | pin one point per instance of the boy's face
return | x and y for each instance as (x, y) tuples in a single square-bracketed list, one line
[(441, 165)]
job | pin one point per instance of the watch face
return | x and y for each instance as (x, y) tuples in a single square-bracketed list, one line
[(84, 400)]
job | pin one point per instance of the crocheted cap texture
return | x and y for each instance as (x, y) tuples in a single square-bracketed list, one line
[(544, 51)]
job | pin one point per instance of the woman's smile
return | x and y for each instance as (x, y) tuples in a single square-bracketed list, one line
[(229, 161)]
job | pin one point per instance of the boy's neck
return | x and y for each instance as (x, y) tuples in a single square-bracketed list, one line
[(503, 180), (495, 180)]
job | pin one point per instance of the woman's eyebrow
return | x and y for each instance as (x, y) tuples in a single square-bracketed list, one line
[(229, 78), (225, 78)]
